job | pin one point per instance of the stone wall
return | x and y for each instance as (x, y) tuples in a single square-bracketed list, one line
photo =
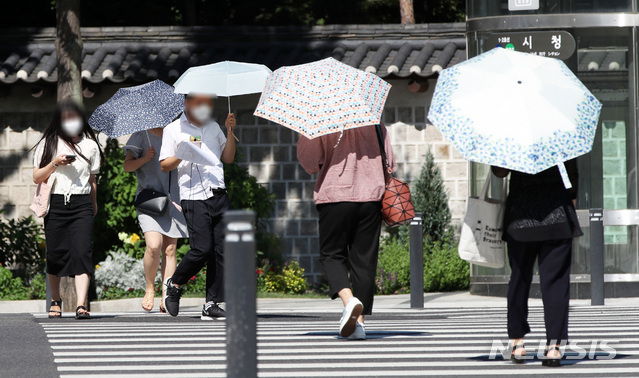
[(268, 150)]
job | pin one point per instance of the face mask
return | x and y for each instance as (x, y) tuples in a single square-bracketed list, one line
[(72, 127), (202, 113)]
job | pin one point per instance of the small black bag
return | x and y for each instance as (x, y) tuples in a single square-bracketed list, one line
[(152, 202)]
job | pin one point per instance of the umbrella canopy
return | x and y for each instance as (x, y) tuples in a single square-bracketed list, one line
[(322, 97), (224, 79), (515, 110), (138, 108)]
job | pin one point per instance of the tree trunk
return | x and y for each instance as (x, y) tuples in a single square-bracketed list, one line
[(68, 47), (407, 11)]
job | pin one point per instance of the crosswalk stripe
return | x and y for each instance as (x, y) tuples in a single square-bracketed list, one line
[(436, 342)]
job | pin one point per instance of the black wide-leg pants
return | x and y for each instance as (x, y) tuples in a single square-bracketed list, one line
[(349, 238), (554, 275), (206, 239)]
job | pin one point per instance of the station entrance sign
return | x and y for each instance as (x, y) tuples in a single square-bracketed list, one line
[(553, 44)]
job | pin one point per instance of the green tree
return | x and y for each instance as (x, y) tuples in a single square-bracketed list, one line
[(430, 197)]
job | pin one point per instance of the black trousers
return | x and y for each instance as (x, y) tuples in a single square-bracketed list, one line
[(554, 276), (349, 237), (206, 238)]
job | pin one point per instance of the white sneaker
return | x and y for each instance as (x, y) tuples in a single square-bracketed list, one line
[(348, 323), (359, 334)]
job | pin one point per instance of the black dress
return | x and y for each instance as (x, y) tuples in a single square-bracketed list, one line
[(540, 208)]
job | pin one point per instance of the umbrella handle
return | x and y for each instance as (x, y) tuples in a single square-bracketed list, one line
[(564, 175), (146, 132), (229, 101)]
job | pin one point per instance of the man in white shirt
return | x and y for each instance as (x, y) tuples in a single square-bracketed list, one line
[(203, 198)]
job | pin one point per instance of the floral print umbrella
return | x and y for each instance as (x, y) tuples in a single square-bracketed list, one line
[(322, 97), (515, 110), (138, 108)]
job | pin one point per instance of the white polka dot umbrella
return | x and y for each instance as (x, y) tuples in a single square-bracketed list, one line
[(322, 97)]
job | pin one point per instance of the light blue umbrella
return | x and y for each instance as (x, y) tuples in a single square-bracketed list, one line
[(515, 110), (138, 108)]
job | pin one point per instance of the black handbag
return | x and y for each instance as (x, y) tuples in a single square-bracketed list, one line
[(152, 202)]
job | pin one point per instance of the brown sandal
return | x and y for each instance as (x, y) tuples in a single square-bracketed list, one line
[(56, 314)]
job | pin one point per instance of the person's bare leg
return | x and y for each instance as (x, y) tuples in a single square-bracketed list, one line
[(169, 259), (152, 256), (54, 283), (345, 294), (81, 289)]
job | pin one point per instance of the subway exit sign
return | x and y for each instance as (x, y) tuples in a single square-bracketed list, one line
[(553, 44)]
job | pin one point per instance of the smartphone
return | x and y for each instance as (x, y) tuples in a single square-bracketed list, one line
[(70, 157)]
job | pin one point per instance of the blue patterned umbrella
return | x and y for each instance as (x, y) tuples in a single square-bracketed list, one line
[(515, 110), (138, 108)]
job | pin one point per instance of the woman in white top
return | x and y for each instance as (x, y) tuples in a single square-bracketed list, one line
[(69, 154)]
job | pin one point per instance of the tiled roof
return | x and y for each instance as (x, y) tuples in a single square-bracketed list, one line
[(141, 54)]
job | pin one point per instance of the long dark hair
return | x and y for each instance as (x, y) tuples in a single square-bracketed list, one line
[(53, 132)]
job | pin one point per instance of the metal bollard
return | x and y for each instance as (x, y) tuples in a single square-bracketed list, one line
[(596, 257), (417, 262), (240, 290)]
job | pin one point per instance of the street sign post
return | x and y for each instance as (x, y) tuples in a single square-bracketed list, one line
[(240, 286)]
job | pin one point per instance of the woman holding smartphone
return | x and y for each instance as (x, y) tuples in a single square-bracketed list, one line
[(69, 157), (160, 231)]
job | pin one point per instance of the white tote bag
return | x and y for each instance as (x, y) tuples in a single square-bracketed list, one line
[(480, 241)]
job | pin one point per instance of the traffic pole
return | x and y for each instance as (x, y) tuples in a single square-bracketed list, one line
[(417, 262), (596, 257), (240, 288)]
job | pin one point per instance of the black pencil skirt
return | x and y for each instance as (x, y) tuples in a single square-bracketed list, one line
[(68, 230)]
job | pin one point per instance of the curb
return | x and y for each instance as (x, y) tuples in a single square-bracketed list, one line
[(19, 307)]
